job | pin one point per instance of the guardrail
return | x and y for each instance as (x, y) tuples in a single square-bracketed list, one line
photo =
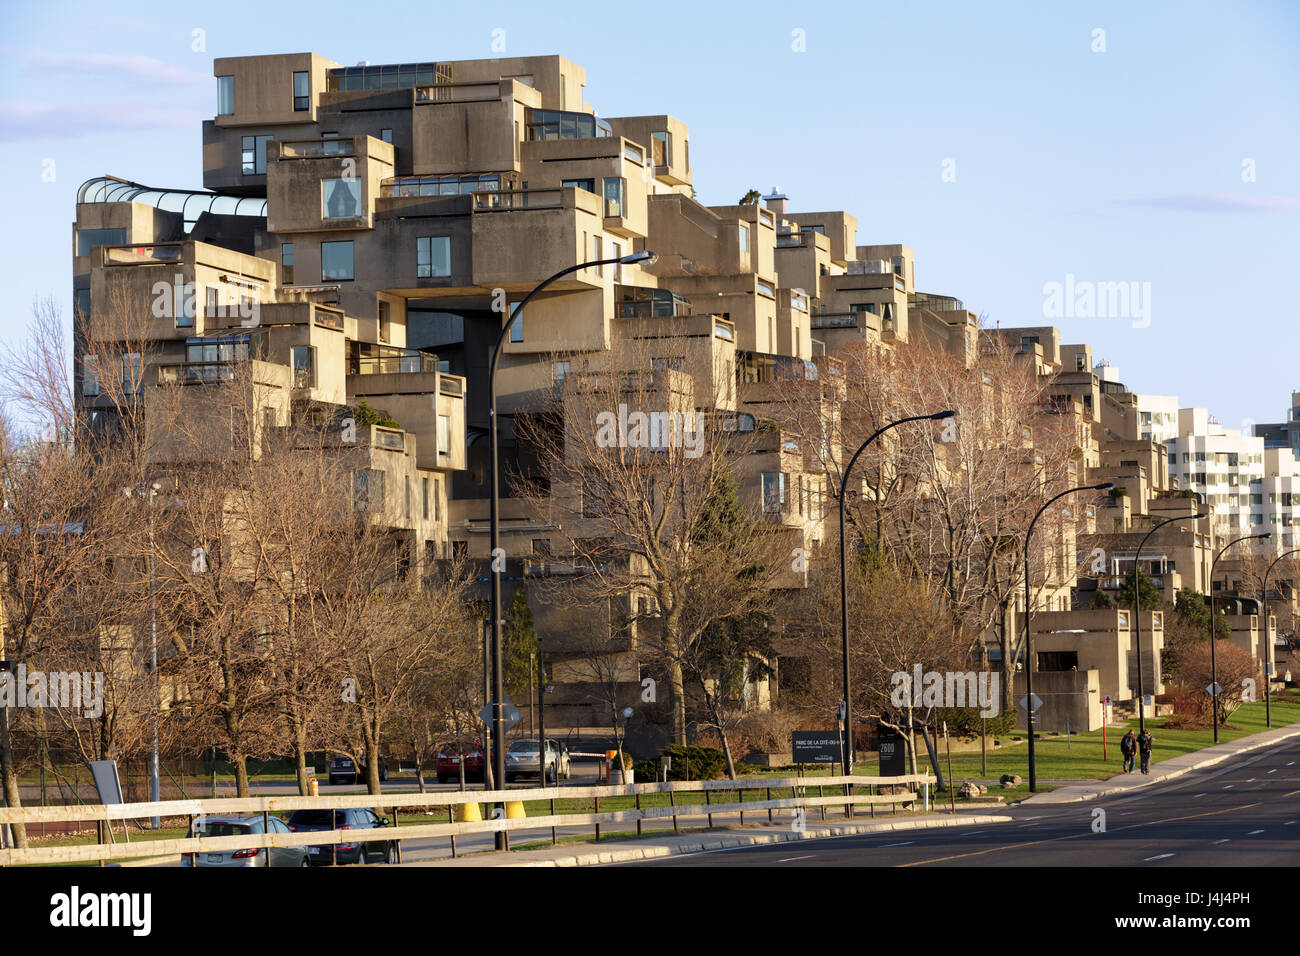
[(901, 793)]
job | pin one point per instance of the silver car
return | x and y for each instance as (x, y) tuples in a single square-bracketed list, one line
[(295, 856), (521, 759)]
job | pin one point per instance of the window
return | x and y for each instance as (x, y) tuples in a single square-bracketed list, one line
[(662, 144), (86, 238), (336, 260), (559, 371), (744, 238), (384, 322), (596, 252), (406, 513), (301, 92), (587, 184), (81, 302), (286, 263), (386, 135), (517, 328), (437, 499), (773, 491), (615, 187), (132, 372), (444, 435), (225, 96), (433, 257), (368, 490), (254, 155), (340, 198), (303, 359), (616, 252), (89, 376), (424, 498)]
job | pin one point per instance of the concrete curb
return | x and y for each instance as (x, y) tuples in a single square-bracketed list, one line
[(1202, 758), (709, 842)]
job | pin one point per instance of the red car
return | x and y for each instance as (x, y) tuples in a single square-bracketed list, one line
[(449, 758)]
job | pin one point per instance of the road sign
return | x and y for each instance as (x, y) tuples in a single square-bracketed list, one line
[(1033, 699), (1149, 700), (1106, 700), (1214, 690), (815, 746), (509, 714), (893, 754)]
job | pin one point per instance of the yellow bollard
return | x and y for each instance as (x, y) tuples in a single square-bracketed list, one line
[(315, 787), (468, 813), (515, 810)]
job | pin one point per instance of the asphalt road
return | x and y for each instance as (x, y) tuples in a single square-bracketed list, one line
[(1244, 812)]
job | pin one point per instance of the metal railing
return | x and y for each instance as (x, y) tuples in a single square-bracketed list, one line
[(901, 791)]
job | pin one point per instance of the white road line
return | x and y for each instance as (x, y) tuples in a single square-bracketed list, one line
[(1162, 856), (1253, 832), (888, 845), (1288, 823), (1291, 763), (1229, 786), (1198, 795), (1217, 842), (1274, 770), (791, 859), (976, 833)]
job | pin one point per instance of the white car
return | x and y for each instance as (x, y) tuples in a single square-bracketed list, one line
[(521, 760)]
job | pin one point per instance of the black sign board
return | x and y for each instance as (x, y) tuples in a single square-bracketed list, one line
[(815, 746), (893, 754)]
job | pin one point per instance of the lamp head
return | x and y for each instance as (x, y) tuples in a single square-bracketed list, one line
[(1104, 486), (940, 416), (645, 257)]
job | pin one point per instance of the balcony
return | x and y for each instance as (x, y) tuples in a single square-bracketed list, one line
[(388, 360), (844, 320), (564, 124), (317, 148), (515, 199), (410, 187), (634, 302), (162, 253)]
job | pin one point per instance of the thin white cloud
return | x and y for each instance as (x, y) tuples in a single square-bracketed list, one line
[(109, 65), (1219, 202), (27, 120)]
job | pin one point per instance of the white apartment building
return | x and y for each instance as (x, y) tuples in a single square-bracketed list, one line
[(1222, 465), (1157, 418)]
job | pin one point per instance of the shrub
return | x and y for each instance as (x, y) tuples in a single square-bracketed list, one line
[(705, 763)]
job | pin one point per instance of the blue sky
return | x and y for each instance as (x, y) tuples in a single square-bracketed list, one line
[(1117, 166)]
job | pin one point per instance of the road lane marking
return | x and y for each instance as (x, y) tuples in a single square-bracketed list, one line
[(1274, 770), (1291, 794), (1231, 785), (1076, 836), (1253, 832), (791, 859), (976, 833), (888, 845), (1217, 842), (1288, 823), (1198, 795), (1162, 856)]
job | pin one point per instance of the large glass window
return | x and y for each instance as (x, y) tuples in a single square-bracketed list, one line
[(340, 198), (662, 144), (301, 92), (225, 96), (565, 124), (433, 257), (90, 376), (444, 435), (744, 237), (773, 491), (516, 329), (368, 489), (336, 260), (132, 372), (254, 155), (286, 263), (86, 238), (614, 189), (385, 322), (304, 366), (587, 184)]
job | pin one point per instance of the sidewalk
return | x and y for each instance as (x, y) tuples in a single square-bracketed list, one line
[(621, 851), (1165, 770)]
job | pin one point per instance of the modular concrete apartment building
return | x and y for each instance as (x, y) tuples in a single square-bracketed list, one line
[(378, 219)]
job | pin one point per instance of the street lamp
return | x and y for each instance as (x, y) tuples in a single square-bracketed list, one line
[(155, 784), (496, 555), (846, 733), (1029, 640), (1214, 667), (1268, 638), (1137, 605)]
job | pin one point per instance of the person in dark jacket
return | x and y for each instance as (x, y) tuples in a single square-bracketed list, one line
[(1144, 742), (1128, 747)]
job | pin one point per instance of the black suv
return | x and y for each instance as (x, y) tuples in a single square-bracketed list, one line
[(357, 818), (343, 770)]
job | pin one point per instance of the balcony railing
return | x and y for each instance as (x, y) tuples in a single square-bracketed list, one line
[(459, 92), (839, 320), (156, 254), (317, 148), (407, 364), (506, 200), (196, 373)]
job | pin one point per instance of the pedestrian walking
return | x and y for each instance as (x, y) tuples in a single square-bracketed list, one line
[(1128, 747), (1144, 742)]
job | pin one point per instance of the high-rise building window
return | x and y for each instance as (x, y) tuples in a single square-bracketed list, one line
[(385, 322), (89, 238), (132, 372), (340, 198), (253, 159), (773, 491), (336, 260), (301, 91), (225, 96), (444, 435), (424, 496), (433, 257), (89, 376), (517, 328), (368, 490), (286, 263), (303, 358), (744, 237), (596, 252), (662, 144), (386, 135), (615, 188)]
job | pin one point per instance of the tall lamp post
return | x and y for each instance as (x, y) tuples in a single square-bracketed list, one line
[(1029, 640), (149, 490), (1137, 605), (1214, 666), (496, 555), (846, 733), (1268, 637)]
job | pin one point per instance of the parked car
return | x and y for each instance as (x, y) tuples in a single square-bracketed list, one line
[(450, 756), (521, 759), (295, 856), (356, 818), (343, 770)]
